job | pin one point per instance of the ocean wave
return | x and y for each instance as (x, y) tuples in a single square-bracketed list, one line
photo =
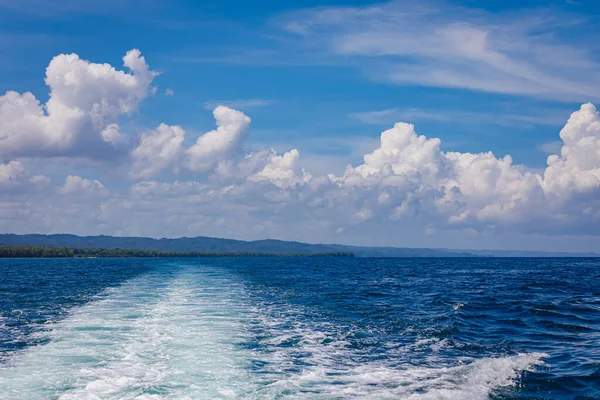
[(204, 333), (473, 381)]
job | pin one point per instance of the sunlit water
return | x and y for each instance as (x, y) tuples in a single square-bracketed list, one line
[(300, 328)]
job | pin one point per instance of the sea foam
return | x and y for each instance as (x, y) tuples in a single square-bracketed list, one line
[(195, 333)]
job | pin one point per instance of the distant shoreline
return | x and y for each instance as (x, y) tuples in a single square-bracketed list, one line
[(263, 247), (70, 252)]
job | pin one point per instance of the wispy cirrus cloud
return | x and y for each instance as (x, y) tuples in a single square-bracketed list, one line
[(240, 103), (440, 45), (391, 115), (274, 55), (550, 147)]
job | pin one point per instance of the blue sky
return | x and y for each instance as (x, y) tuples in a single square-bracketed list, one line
[(325, 78)]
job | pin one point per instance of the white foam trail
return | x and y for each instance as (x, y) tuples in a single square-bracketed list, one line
[(178, 334), (145, 340), (473, 381), (331, 369)]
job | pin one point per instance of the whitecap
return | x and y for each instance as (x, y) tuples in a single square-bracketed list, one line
[(184, 335)]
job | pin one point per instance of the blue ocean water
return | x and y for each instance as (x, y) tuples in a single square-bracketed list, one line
[(300, 328)]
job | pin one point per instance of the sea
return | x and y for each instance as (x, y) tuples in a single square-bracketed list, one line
[(300, 328)]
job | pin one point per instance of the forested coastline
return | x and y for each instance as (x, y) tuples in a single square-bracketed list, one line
[(70, 252)]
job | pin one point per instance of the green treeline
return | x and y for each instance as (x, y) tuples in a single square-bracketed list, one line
[(70, 252)]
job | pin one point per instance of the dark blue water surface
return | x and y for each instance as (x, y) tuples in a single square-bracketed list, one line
[(36, 292), (330, 328)]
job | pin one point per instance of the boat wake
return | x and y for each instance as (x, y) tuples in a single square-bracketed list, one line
[(195, 333)]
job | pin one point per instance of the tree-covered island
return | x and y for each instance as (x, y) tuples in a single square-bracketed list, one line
[(70, 252)]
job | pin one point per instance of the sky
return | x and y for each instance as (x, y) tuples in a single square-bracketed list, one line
[(446, 124)]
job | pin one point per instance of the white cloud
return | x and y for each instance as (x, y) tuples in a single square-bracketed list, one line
[(390, 115), (76, 185), (282, 171), (551, 147), (406, 186), (14, 179), (577, 168), (481, 191), (441, 45), (11, 172), (157, 150), (238, 104), (408, 176), (384, 117), (218, 153), (81, 116), (169, 92), (220, 144)]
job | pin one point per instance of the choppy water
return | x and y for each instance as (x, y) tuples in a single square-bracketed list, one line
[(300, 329)]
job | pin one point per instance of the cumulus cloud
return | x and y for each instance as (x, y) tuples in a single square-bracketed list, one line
[(81, 116), (577, 168), (412, 176), (405, 185), (157, 150), (76, 185), (409, 177), (14, 178), (218, 153), (282, 171), (220, 144), (11, 172)]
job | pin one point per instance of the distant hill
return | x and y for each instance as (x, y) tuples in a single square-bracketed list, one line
[(71, 252), (198, 244), (209, 244)]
